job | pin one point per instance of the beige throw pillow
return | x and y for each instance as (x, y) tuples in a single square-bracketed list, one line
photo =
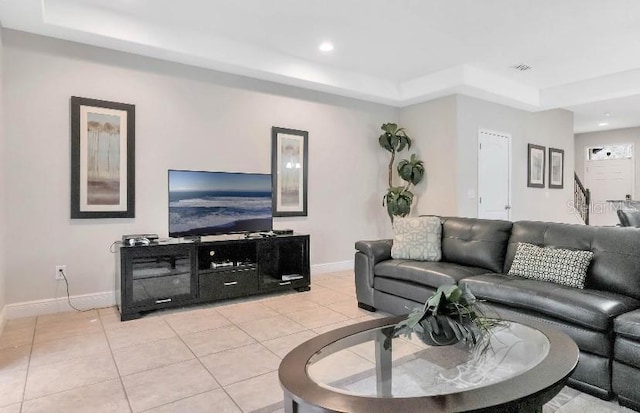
[(418, 238)]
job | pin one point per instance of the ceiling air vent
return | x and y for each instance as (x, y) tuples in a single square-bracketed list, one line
[(521, 67)]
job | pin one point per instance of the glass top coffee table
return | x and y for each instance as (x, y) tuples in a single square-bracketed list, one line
[(522, 366)]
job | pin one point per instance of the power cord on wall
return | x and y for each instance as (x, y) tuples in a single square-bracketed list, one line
[(112, 249), (66, 282)]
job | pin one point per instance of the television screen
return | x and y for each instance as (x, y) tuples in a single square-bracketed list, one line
[(211, 203)]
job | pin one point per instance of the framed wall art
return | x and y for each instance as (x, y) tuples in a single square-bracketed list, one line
[(289, 158), (535, 166), (556, 168), (102, 159)]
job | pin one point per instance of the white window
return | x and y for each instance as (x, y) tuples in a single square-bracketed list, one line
[(621, 151)]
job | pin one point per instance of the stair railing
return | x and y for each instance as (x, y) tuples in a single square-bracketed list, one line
[(581, 199)]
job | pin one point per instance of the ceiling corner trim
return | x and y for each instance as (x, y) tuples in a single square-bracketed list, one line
[(507, 88), (469, 80), (75, 20)]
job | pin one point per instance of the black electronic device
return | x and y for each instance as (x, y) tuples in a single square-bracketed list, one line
[(139, 239), (282, 231)]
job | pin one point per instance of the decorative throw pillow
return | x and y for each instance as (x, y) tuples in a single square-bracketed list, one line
[(417, 238), (557, 265)]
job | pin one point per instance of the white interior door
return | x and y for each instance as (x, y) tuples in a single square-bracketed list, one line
[(608, 179), (494, 175)]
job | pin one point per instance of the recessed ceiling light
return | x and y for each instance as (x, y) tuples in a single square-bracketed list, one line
[(326, 47), (603, 124)]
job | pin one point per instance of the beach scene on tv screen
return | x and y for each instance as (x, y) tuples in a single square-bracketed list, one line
[(207, 203)]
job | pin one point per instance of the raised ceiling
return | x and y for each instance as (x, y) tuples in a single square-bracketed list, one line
[(584, 54)]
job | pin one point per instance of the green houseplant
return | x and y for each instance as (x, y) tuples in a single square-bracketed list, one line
[(398, 199), (449, 316)]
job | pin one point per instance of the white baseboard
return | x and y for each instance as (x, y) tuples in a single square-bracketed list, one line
[(108, 298), (332, 267), (58, 305)]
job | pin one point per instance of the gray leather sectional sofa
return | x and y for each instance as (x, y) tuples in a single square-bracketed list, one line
[(603, 318)]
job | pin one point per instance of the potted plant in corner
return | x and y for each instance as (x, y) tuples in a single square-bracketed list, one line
[(398, 199), (449, 316)]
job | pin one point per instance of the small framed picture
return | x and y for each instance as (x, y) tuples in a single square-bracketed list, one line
[(556, 168), (102, 159), (289, 154), (535, 166)]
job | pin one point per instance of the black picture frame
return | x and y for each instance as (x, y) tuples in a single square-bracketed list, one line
[(556, 168), (99, 169), (535, 166), (289, 170)]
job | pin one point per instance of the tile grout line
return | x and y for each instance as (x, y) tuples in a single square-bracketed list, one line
[(252, 378), (57, 392), (268, 349), (206, 369), (124, 390), (326, 305), (26, 374), (161, 318), (73, 335)]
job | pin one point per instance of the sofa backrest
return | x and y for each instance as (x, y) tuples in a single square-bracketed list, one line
[(615, 266), (475, 242)]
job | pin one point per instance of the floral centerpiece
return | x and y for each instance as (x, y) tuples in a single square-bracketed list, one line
[(451, 315)]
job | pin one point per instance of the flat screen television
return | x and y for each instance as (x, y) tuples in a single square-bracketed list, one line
[(212, 203)]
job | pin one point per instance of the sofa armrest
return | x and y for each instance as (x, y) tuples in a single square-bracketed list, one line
[(368, 254), (376, 251)]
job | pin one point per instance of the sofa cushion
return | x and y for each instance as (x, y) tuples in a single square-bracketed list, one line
[(587, 339), (628, 325), (475, 242), (429, 273), (627, 351), (556, 265), (615, 266), (593, 309), (399, 288), (417, 238), (625, 384)]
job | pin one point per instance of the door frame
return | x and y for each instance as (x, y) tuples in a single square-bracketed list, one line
[(509, 177)]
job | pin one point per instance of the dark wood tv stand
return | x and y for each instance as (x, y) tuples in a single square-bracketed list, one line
[(178, 272)]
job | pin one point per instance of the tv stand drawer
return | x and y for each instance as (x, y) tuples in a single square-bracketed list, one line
[(228, 284)]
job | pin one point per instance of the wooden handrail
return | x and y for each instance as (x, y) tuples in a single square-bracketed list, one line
[(581, 198), (577, 180)]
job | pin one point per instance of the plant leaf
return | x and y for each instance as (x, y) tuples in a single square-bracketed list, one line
[(411, 170), (390, 127), (383, 140)]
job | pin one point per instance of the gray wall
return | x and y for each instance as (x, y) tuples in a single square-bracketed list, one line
[(186, 118), (552, 129), (190, 118), (446, 135), (432, 126), (627, 135), (3, 164), (474, 114)]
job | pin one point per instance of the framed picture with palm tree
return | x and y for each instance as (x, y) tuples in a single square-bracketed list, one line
[(556, 168), (289, 153), (102, 159), (535, 166)]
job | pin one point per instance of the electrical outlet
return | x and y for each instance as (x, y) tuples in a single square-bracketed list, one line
[(59, 270)]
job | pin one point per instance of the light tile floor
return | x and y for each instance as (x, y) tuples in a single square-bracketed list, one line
[(218, 358)]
